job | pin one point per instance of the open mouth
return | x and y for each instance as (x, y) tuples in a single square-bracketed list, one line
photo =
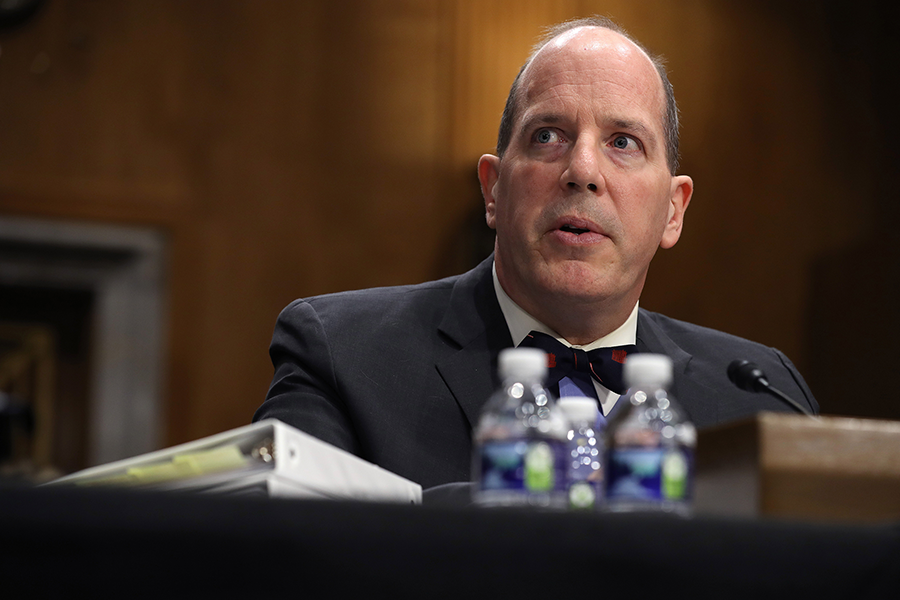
[(575, 230)]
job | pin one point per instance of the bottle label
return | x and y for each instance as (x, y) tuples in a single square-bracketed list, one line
[(584, 495), (649, 474), (523, 467)]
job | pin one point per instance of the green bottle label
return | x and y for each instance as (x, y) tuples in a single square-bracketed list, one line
[(674, 476), (539, 468)]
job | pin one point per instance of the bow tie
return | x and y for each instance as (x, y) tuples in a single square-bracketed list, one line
[(603, 364)]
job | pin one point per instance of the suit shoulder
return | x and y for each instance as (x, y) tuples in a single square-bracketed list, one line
[(379, 305), (385, 296), (690, 334), (699, 340)]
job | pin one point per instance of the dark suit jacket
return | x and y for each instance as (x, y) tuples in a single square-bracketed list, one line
[(398, 375)]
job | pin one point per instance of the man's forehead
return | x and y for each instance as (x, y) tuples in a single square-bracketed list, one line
[(590, 38), (589, 47), (589, 56)]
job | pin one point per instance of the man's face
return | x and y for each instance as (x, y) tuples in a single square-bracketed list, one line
[(583, 196)]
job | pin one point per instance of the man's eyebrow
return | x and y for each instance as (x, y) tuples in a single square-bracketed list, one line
[(531, 121), (637, 127)]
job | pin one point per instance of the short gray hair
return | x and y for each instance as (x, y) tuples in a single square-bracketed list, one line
[(670, 118)]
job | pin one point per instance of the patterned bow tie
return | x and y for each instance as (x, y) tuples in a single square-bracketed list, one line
[(603, 364)]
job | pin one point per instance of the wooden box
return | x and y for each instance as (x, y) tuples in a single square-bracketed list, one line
[(781, 465)]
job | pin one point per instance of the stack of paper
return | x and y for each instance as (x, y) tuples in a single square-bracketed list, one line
[(267, 458)]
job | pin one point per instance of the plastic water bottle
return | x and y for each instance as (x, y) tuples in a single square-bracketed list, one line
[(650, 443), (519, 453), (584, 475)]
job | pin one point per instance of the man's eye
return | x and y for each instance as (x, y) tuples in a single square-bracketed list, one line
[(622, 142), (546, 136)]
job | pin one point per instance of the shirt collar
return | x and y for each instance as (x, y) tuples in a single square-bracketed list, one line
[(521, 323)]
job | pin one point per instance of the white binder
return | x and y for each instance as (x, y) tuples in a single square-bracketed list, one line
[(266, 458)]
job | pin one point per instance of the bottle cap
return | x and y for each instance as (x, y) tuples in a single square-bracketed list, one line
[(649, 369), (579, 408), (522, 362)]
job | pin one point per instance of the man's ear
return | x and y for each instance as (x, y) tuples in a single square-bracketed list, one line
[(488, 174), (679, 198)]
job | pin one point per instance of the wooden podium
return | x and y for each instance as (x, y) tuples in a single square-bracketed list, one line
[(792, 466)]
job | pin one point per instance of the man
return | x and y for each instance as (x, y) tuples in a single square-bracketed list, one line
[(582, 193)]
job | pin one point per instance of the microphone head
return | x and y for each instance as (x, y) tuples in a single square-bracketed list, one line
[(747, 376)]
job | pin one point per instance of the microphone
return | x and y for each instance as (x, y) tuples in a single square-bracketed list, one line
[(751, 378)]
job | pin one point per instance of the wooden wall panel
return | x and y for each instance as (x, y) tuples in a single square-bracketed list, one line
[(286, 148), (296, 148)]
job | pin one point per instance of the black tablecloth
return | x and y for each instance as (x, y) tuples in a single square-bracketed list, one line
[(59, 542)]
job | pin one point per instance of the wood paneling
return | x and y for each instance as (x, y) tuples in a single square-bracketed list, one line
[(297, 148)]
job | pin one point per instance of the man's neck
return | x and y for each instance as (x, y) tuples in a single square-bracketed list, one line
[(581, 324), (521, 321)]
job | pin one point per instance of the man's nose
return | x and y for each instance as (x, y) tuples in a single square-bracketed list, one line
[(583, 170)]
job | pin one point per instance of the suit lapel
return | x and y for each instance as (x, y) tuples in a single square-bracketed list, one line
[(477, 331), (689, 391)]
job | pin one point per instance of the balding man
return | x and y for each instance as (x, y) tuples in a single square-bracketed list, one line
[(581, 194)]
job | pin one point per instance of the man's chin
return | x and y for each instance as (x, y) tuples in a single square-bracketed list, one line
[(577, 281)]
